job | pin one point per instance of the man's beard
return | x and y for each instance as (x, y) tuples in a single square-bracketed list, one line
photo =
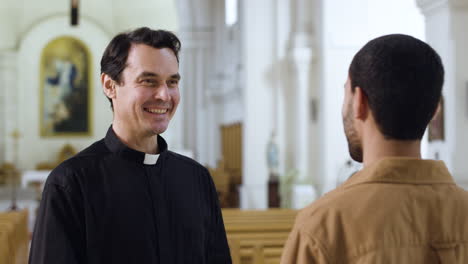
[(354, 144)]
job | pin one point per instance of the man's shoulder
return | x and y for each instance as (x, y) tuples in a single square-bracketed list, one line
[(96, 149), (64, 175), (86, 157), (181, 160), (328, 209)]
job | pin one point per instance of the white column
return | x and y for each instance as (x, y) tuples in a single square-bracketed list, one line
[(303, 191), (301, 56), (257, 36), (7, 79), (446, 22), (196, 70), (8, 104)]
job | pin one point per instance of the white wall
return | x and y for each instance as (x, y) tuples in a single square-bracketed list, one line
[(136, 13), (8, 24), (112, 15), (348, 25)]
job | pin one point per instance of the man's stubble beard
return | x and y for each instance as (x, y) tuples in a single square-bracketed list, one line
[(354, 144)]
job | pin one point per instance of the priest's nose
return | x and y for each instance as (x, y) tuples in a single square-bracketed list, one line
[(162, 93)]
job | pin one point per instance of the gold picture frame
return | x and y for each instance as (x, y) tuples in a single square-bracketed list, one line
[(65, 89)]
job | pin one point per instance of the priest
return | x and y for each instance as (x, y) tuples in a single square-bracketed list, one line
[(127, 198)]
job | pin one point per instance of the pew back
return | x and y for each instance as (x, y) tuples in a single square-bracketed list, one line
[(257, 236), (14, 237)]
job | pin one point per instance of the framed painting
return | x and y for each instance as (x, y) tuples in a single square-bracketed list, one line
[(65, 88), (436, 126)]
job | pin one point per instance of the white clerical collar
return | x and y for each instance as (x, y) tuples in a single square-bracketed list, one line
[(150, 159)]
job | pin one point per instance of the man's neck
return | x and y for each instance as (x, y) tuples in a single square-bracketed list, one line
[(377, 148), (146, 143)]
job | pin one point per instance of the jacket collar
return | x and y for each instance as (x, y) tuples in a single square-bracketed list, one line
[(402, 170)]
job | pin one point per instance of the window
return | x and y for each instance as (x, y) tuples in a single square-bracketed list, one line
[(231, 12)]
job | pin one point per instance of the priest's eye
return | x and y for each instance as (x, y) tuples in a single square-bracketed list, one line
[(173, 83), (148, 81)]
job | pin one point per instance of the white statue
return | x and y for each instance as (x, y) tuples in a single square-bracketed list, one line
[(272, 155)]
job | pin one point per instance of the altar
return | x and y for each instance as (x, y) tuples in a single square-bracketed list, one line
[(34, 177)]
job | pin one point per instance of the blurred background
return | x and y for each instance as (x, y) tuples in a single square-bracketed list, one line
[(261, 91)]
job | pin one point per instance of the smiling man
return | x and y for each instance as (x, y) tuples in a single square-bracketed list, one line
[(127, 198)]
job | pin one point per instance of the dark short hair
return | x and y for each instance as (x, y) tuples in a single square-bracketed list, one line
[(402, 78), (114, 59)]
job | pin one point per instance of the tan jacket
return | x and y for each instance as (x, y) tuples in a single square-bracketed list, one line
[(397, 210)]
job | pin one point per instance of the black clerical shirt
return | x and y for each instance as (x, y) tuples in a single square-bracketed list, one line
[(105, 205)]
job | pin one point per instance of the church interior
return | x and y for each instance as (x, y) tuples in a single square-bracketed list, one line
[(261, 95)]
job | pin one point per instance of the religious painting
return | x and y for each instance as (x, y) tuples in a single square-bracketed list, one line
[(65, 88), (436, 126)]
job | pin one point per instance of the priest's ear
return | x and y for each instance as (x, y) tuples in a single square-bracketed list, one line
[(108, 86)]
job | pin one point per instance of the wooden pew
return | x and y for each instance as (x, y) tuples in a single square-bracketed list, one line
[(231, 145), (257, 237), (14, 237)]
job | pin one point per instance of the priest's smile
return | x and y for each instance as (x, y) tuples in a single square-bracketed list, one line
[(156, 110)]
